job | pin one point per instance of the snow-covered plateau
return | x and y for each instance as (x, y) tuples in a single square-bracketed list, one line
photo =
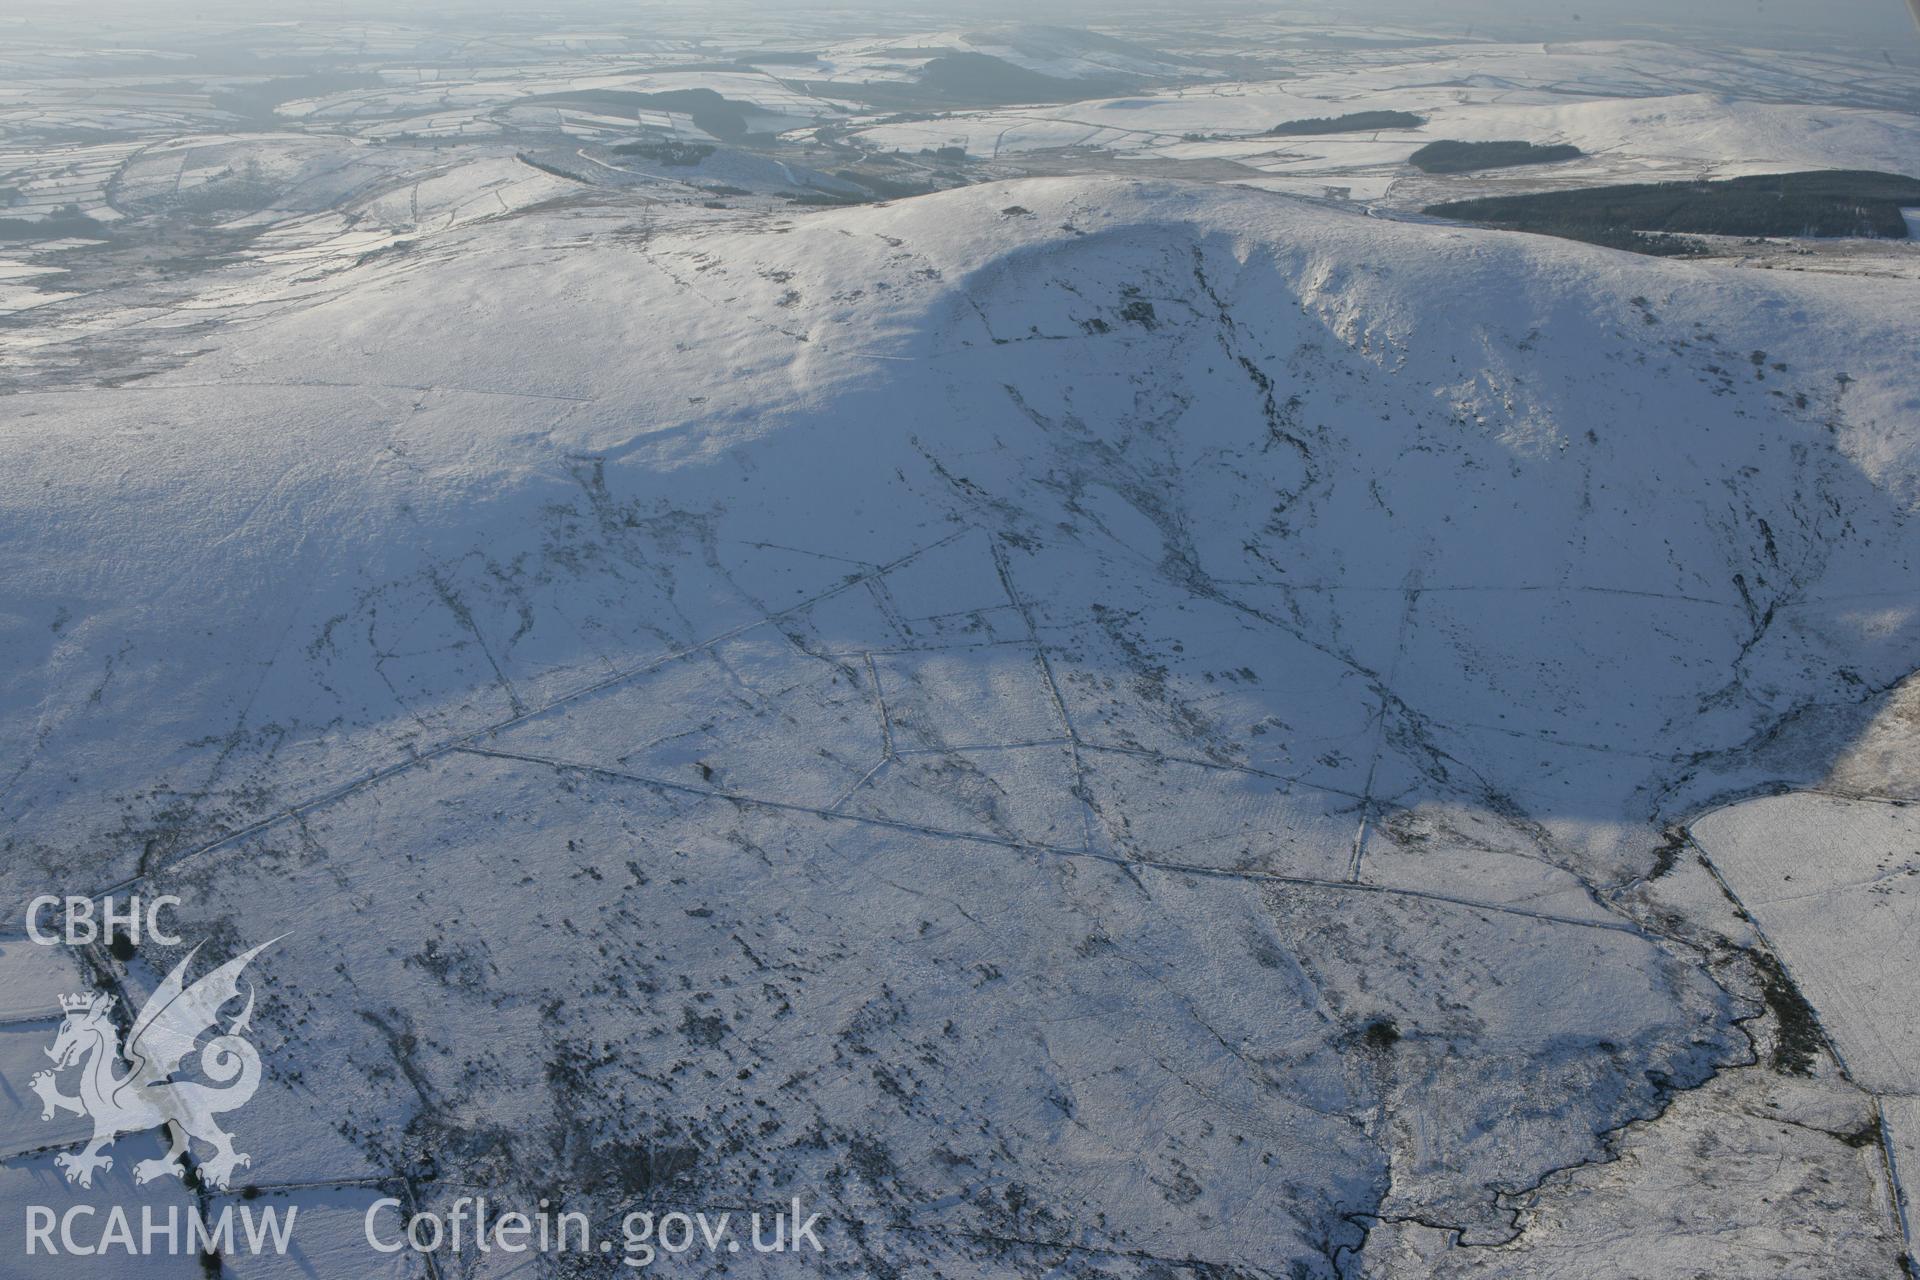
[(1128, 718)]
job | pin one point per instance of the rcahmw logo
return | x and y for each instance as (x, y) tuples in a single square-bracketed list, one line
[(146, 1082)]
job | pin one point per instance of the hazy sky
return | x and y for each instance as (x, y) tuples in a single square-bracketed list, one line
[(1888, 17), (1729, 22), (1560, 19)]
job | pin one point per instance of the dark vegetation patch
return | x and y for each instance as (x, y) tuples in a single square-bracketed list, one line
[(63, 223), (1867, 1135), (721, 117), (1800, 1040), (1381, 1034), (1840, 202), (226, 196), (1667, 856), (1352, 122), (980, 77), (393, 250), (683, 154), (1468, 157), (1139, 311), (886, 188), (640, 1169), (1652, 243), (553, 169), (255, 103), (702, 1029)]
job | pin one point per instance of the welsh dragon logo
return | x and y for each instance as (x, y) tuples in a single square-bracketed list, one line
[(167, 1032)]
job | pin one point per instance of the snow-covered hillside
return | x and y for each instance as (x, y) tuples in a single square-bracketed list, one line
[(1081, 722)]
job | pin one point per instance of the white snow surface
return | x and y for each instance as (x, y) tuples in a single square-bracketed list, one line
[(1072, 712)]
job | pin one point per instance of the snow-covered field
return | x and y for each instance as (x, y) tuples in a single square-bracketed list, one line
[(1091, 725), (1636, 139)]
